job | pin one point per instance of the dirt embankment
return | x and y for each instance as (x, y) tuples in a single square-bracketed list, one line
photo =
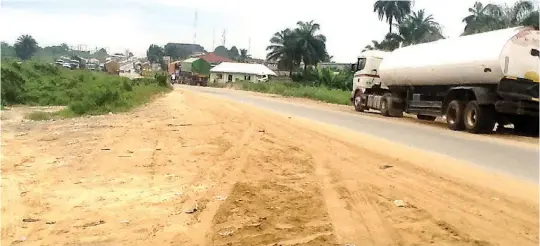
[(192, 170)]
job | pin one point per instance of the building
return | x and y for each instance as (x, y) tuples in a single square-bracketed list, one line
[(334, 65), (214, 59), (230, 72), (195, 65)]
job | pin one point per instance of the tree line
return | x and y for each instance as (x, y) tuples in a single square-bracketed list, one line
[(26, 48), (416, 27), (178, 51), (290, 47)]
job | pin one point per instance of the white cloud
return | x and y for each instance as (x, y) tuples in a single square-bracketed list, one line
[(349, 25)]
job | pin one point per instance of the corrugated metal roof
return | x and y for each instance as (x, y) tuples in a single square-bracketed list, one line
[(245, 68), (190, 60)]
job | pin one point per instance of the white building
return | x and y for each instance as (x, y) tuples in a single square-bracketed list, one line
[(231, 72)]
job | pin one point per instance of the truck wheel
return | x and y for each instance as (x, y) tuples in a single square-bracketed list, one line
[(358, 104), (479, 118), (454, 115), (385, 105), (426, 117)]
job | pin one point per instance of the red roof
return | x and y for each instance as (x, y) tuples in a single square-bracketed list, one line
[(213, 58)]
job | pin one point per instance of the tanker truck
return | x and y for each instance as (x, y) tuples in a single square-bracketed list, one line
[(473, 81)]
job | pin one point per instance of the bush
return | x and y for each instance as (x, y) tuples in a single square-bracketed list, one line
[(293, 89), (85, 92), (331, 78)]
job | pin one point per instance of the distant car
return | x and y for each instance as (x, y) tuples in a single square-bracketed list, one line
[(66, 65)]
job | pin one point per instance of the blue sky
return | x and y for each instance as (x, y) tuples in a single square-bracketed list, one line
[(349, 25)]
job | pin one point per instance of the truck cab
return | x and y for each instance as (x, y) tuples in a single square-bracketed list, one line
[(366, 77)]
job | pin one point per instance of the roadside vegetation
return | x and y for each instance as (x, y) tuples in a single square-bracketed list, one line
[(82, 91), (301, 50)]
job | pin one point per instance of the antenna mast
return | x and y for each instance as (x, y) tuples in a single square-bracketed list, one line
[(214, 38), (195, 28), (223, 39)]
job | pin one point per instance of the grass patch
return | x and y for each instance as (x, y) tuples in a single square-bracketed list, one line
[(40, 115), (292, 89), (83, 91)]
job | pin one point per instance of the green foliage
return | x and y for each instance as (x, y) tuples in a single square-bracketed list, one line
[(84, 92), (25, 47), (415, 28), (7, 50), (222, 51), (489, 17), (291, 47), (51, 53), (291, 89), (326, 77), (155, 53), (392, 10)]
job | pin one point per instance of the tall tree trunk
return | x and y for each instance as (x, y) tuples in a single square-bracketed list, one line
[(390, 22)]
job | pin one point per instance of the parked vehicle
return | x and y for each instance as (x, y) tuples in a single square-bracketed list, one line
[(473, 81)]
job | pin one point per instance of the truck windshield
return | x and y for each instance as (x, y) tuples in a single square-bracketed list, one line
[(360, 64)]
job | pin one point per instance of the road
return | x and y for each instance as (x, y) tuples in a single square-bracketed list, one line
[(507, 158), (194, 169)]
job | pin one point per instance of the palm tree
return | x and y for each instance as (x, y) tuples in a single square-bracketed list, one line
[(311, 46), (418, 28), (391, 10), (390, 42), (244, 55), (493, 17), (25, 47), (283, 49)]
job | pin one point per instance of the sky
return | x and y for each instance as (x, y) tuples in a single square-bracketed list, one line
[(349, 25)]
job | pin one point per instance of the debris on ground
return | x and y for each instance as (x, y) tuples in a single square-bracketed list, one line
[(50, 222), (221, 198), (386, 166), (28, 220), (399, 203), (193, 209)]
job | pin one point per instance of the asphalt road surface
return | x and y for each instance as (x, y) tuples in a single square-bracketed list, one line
[(508, 158)]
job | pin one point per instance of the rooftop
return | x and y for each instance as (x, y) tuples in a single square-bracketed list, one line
[(245, 68), (213, 58)]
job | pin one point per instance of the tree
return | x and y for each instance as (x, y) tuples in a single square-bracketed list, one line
[(221, 51), (390, 42), (155, 53), (233, 53), (7, 50), (282, 49), (418, 28), (484, 18), (25, 47), (244, 55), (311, 46), (391, 10)]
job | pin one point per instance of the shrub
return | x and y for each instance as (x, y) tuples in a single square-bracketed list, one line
[(85, 92)]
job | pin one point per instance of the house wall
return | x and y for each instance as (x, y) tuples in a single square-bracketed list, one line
[(214, 77)]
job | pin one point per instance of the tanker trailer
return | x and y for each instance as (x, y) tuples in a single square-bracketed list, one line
[(473, 81)]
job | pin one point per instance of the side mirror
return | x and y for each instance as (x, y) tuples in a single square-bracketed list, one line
[(353, 67)]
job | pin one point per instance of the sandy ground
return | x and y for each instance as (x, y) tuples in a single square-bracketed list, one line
[(190, 169)]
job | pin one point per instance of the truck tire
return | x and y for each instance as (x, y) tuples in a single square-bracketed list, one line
[(454, 115), (386, 103), (426, 117), (479, 118), (358, 103)]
